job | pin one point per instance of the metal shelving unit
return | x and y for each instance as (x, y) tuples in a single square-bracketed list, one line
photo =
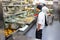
[(14, 8)]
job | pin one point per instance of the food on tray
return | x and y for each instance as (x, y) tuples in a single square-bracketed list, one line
[(14, 30), (7, 32), (10, 31), (36, 15), (29, 19)]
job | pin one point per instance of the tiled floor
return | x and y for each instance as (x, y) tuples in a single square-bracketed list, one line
[(31, 32), (51, 32)]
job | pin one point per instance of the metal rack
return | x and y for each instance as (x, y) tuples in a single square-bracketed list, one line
[(13, 8)]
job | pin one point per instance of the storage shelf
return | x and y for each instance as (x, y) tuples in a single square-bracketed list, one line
[(17, 6), (28, 28), (25, 29), (6, 0), (19, 1), (20, 22), (49, 2)]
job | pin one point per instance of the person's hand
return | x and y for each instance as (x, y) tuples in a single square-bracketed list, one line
[(39, 26), (49, 14), (38, 29)]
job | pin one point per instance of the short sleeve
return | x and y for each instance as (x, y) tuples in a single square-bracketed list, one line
[(47, 10), (39, 21)]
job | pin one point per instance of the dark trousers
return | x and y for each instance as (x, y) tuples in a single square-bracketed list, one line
[(39, 34)]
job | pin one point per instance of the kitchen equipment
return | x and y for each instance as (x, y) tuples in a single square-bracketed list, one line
[(14, 26)]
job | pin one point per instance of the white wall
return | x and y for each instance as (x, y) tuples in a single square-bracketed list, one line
[(0, 0)]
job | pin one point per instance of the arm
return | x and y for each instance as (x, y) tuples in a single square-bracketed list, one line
[(39, 22), (39, 25), (48, 13)]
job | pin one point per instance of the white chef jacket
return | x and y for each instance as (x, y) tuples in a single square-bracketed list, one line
[(41, 20), (45, 10)]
